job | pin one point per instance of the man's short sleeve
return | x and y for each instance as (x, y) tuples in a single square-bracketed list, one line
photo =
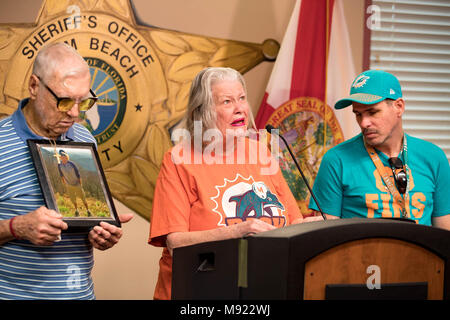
[(328, 185)]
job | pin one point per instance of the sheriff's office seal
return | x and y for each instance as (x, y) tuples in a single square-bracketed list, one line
[(120, 61), (311, 128)]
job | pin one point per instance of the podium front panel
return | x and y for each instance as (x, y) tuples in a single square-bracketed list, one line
[(374, 264), (206, 271), (298, 261)]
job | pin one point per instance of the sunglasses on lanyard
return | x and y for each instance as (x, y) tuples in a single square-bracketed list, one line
[(399, 174), (65, 104)]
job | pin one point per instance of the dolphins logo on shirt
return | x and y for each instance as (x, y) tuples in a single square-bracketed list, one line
[(241, 199), (258, 200)]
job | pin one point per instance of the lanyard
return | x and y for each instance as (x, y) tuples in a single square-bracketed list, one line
[(386, 176)]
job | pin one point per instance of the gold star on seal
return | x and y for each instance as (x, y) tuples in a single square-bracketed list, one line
[(141, 75)]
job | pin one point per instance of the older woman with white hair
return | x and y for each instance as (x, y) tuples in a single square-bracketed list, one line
[(212, 185)]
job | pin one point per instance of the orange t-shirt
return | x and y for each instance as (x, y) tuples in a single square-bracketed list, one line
[(200, 196)]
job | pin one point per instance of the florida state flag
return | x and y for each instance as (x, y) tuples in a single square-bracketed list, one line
[(313, 70)]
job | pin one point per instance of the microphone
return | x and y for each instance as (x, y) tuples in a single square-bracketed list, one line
[(271, 128)]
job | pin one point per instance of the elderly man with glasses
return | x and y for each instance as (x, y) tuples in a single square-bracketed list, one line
[(383, 172), (36, 260)]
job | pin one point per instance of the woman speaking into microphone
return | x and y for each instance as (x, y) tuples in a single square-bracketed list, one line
[(219, 182)]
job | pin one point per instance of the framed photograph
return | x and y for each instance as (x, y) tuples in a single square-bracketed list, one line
[(73, 182)]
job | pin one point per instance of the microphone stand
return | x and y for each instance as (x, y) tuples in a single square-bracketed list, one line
[(270, 128)]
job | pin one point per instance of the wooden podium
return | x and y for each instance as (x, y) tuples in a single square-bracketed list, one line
[(333, 259)]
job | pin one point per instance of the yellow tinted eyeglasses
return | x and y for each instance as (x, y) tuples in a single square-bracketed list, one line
[(65, 104)]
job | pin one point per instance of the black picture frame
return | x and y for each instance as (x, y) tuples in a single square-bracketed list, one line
[(59, 185)]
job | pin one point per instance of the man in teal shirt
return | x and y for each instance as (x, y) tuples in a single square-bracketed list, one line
[(383, 172)]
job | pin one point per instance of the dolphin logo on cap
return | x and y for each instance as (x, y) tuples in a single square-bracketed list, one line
[(360, 81)]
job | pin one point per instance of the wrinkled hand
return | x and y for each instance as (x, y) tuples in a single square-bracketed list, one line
[(105, 235), (251, 226), (313, 218), (41, 226), (298, 220)]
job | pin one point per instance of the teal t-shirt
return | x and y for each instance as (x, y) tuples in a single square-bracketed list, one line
[(348, 184)]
